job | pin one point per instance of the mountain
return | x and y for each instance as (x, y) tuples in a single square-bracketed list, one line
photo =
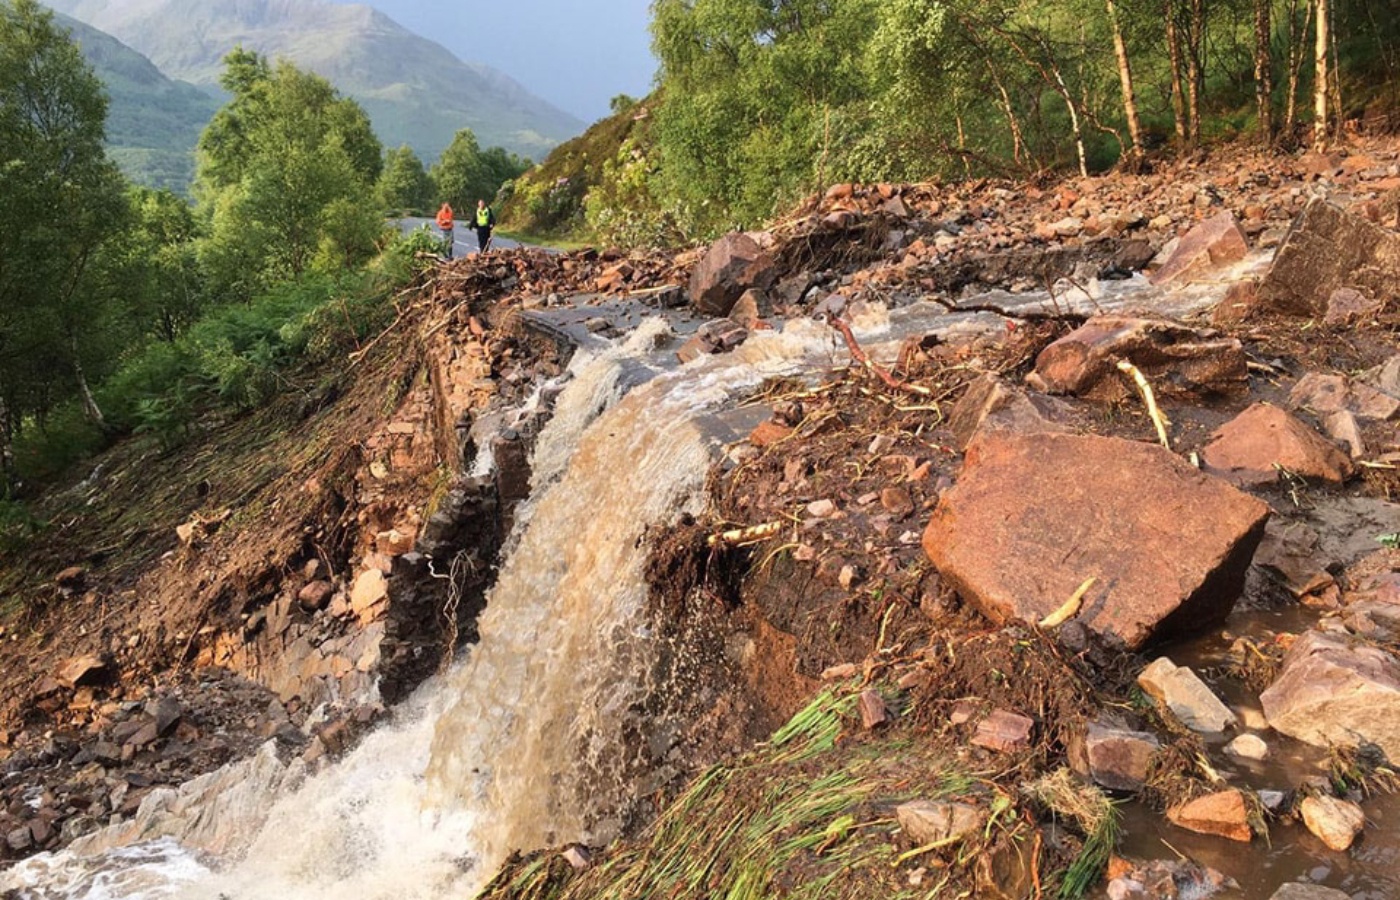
[(153, 123), (415, 90)]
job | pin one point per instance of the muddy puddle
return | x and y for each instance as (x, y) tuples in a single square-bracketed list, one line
[(1369, 871)]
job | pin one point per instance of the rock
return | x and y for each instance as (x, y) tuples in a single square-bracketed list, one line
[(1337, 690), (734, 264), (873, 712), (722, 335), (769, 433), (371, 591), (1180, 362), (20, 839), (1248, 746), (932, 822), (1384, 378), (1240, 303), (1337, 823), (1182, 691), (750, 309), (991, 405), (1326, 250), (1251, 449), (1300, 891), (1004, 732), (1224, 815), (897, 502), (167, 713), (315, 595), (1290, 553), (578, 858), (1346, 306), (1212, 244), (1328, 394), (71, 579), (82, 670), (1343, 428), (1116, 758), (147, 735), (1111, 510), (821, 509), (1068, 227)]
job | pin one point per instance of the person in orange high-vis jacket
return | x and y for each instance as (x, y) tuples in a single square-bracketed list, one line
[(444, 221)]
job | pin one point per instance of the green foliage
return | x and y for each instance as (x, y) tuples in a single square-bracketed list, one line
[(17, 525), (466, 173), (279, 166), (404, 188)]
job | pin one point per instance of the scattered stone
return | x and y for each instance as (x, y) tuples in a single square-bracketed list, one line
[(989, 404), (371, 590), (1347, 307), (897, 502), (72, 578), (578, 858), (1112, 512), (1337, 690), (1248, 746), (82, 670), (734, 264), (821, 509), (1337, 823), (1289, 552), (769, 433), (873, 711), (1251, 449), (1327, 394), (1343, 428), (934, 822), (1224, 814), (1004, 732), (316, 595), (167, 713), (750, 310), (1179, 362), (1183, 692), (1115, 758), (1214, 243), (1329, 249)]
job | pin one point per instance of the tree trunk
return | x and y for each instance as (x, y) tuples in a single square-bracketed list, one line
[(1297, 54), (1195, 68), (1125, 78), (90, 407), (1322, 86), (1174, 53), (7, 452), (1264, 68)]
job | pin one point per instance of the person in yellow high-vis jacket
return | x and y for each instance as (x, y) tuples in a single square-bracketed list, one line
[(485, 222)]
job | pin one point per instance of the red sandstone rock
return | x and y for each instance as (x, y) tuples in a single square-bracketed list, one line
[(1251, 448), (1034, 516), (734, 264), (1330, 249), (1004, 732), (1224, 814), (1210, 245)]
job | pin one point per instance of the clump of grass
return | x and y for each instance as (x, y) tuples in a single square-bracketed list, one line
[(1093, 813), (1364, 768)]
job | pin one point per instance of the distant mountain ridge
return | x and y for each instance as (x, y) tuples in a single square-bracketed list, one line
[(415, 90), (153, 123)]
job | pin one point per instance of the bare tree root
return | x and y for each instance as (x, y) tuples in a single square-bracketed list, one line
[(864, 359), (1150, 398)]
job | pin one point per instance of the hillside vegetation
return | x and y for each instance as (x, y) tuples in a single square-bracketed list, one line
[(762, 104)]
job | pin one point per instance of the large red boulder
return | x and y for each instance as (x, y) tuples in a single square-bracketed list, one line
[(1035, 516), (734, 264), (1329, 249), (1262, 442)]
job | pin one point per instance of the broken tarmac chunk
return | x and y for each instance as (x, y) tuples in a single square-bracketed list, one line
[(1326, 250), (1335, 690), (1214, 243), (1261, 443), (1183, 692), (1104, 508), (1179, 362)]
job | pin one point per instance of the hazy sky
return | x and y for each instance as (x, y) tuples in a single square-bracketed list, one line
[(576, 54)]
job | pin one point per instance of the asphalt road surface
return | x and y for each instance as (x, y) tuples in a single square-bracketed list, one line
[(463, 236)]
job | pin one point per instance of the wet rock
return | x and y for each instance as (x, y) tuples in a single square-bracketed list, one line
[(1251, 449), (1112, 511), (1248, 746), (990, 404), (1347, 306), (1290, 553), (1224, 814), (1337, 690), (1004, 732), (1337, 823), (1327, 250), (751, 309), (167, 713), (931, 822), (1115, 758), (1182, 691), (1343, 428), (1299, 891), (1240, 303), (1164, 880), (769, 433), (715, 336), (1179, 362), (1212, 244), (370, 592), (734, 264)]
